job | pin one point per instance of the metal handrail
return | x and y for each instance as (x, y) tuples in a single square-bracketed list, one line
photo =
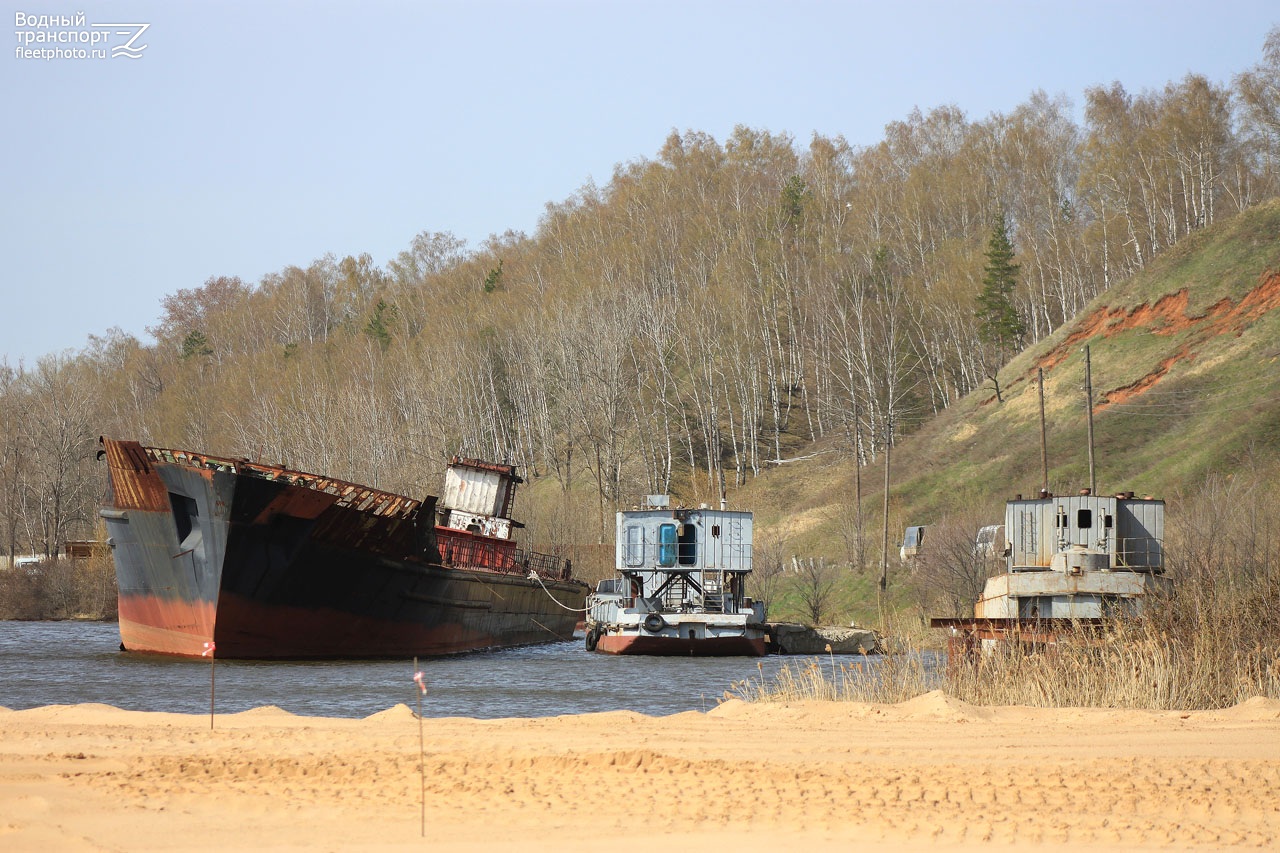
[(648, 556), (461, 551), (1140, 552)]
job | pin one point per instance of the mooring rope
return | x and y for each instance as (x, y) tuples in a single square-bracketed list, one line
[(533, 575)]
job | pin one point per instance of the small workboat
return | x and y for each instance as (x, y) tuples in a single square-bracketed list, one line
[(680, 585)]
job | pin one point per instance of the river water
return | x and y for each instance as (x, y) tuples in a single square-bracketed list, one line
[(65, 663)]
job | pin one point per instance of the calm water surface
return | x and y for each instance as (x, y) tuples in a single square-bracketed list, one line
[(65, 663)]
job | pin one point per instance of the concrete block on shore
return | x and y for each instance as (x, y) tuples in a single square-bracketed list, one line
[(789, 638)]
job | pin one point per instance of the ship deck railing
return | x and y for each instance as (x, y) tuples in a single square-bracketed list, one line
[(686, 557), (546, 565), (1132, 554), (683, 596), (677, 595), (1140, 554), (501, 557)]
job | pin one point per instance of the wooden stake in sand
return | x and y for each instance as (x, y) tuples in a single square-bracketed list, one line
[(209, 648), (420, 679)]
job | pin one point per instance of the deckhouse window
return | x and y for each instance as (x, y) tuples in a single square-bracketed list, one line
[(1084, 519), (667, 540), (635, 545)]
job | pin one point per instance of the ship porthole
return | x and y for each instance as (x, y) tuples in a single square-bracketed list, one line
[(653, 623)]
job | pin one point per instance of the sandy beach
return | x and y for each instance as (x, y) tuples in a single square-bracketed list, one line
[(931, 773)]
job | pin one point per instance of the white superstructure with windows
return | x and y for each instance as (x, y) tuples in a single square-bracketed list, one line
[(680, 585)]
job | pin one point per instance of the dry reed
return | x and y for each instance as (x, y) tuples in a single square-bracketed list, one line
[(1134, 664), (1213, 644), (884, 678)]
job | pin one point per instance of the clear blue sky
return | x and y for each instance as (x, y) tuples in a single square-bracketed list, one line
[(249, 136)]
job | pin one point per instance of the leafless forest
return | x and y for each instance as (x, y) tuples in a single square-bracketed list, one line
[(706, 311)]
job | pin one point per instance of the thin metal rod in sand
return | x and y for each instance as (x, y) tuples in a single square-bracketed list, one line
[(208, 652), (421, 681)]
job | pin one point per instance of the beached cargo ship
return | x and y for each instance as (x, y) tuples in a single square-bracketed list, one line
[(680, 586), (261, 561)]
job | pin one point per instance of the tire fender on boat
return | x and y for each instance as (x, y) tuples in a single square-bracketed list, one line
[(593, 637), (653, 623)]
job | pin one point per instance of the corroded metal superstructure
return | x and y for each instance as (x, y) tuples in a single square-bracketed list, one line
[(262, 561), (680, 584), (1070, 561)]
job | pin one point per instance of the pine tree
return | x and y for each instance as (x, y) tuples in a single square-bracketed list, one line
[(195, 344), (379, 326), (998, 320)]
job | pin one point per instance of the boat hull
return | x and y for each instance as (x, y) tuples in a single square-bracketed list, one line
[(641, 644), (269, 568)]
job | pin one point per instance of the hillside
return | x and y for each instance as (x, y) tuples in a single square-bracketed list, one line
[(732, 318), (1184, 365)]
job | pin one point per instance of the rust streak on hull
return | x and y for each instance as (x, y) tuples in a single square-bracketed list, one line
[(165, 626)]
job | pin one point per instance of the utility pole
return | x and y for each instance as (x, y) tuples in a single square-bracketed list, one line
[(884, 539), (1088, 394), (857, 482), (1044, 441)]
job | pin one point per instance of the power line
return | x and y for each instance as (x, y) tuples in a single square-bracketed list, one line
[(1220, 390), (1133, 409)]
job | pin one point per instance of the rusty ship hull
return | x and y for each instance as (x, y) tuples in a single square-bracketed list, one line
[(635, 644), (263, 562)]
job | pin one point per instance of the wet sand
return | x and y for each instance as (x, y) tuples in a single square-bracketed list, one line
[(932, 773)]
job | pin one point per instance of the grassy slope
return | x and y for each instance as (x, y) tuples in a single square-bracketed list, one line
[(1212, 404)]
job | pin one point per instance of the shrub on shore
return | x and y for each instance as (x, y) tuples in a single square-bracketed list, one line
[(83, 588)]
